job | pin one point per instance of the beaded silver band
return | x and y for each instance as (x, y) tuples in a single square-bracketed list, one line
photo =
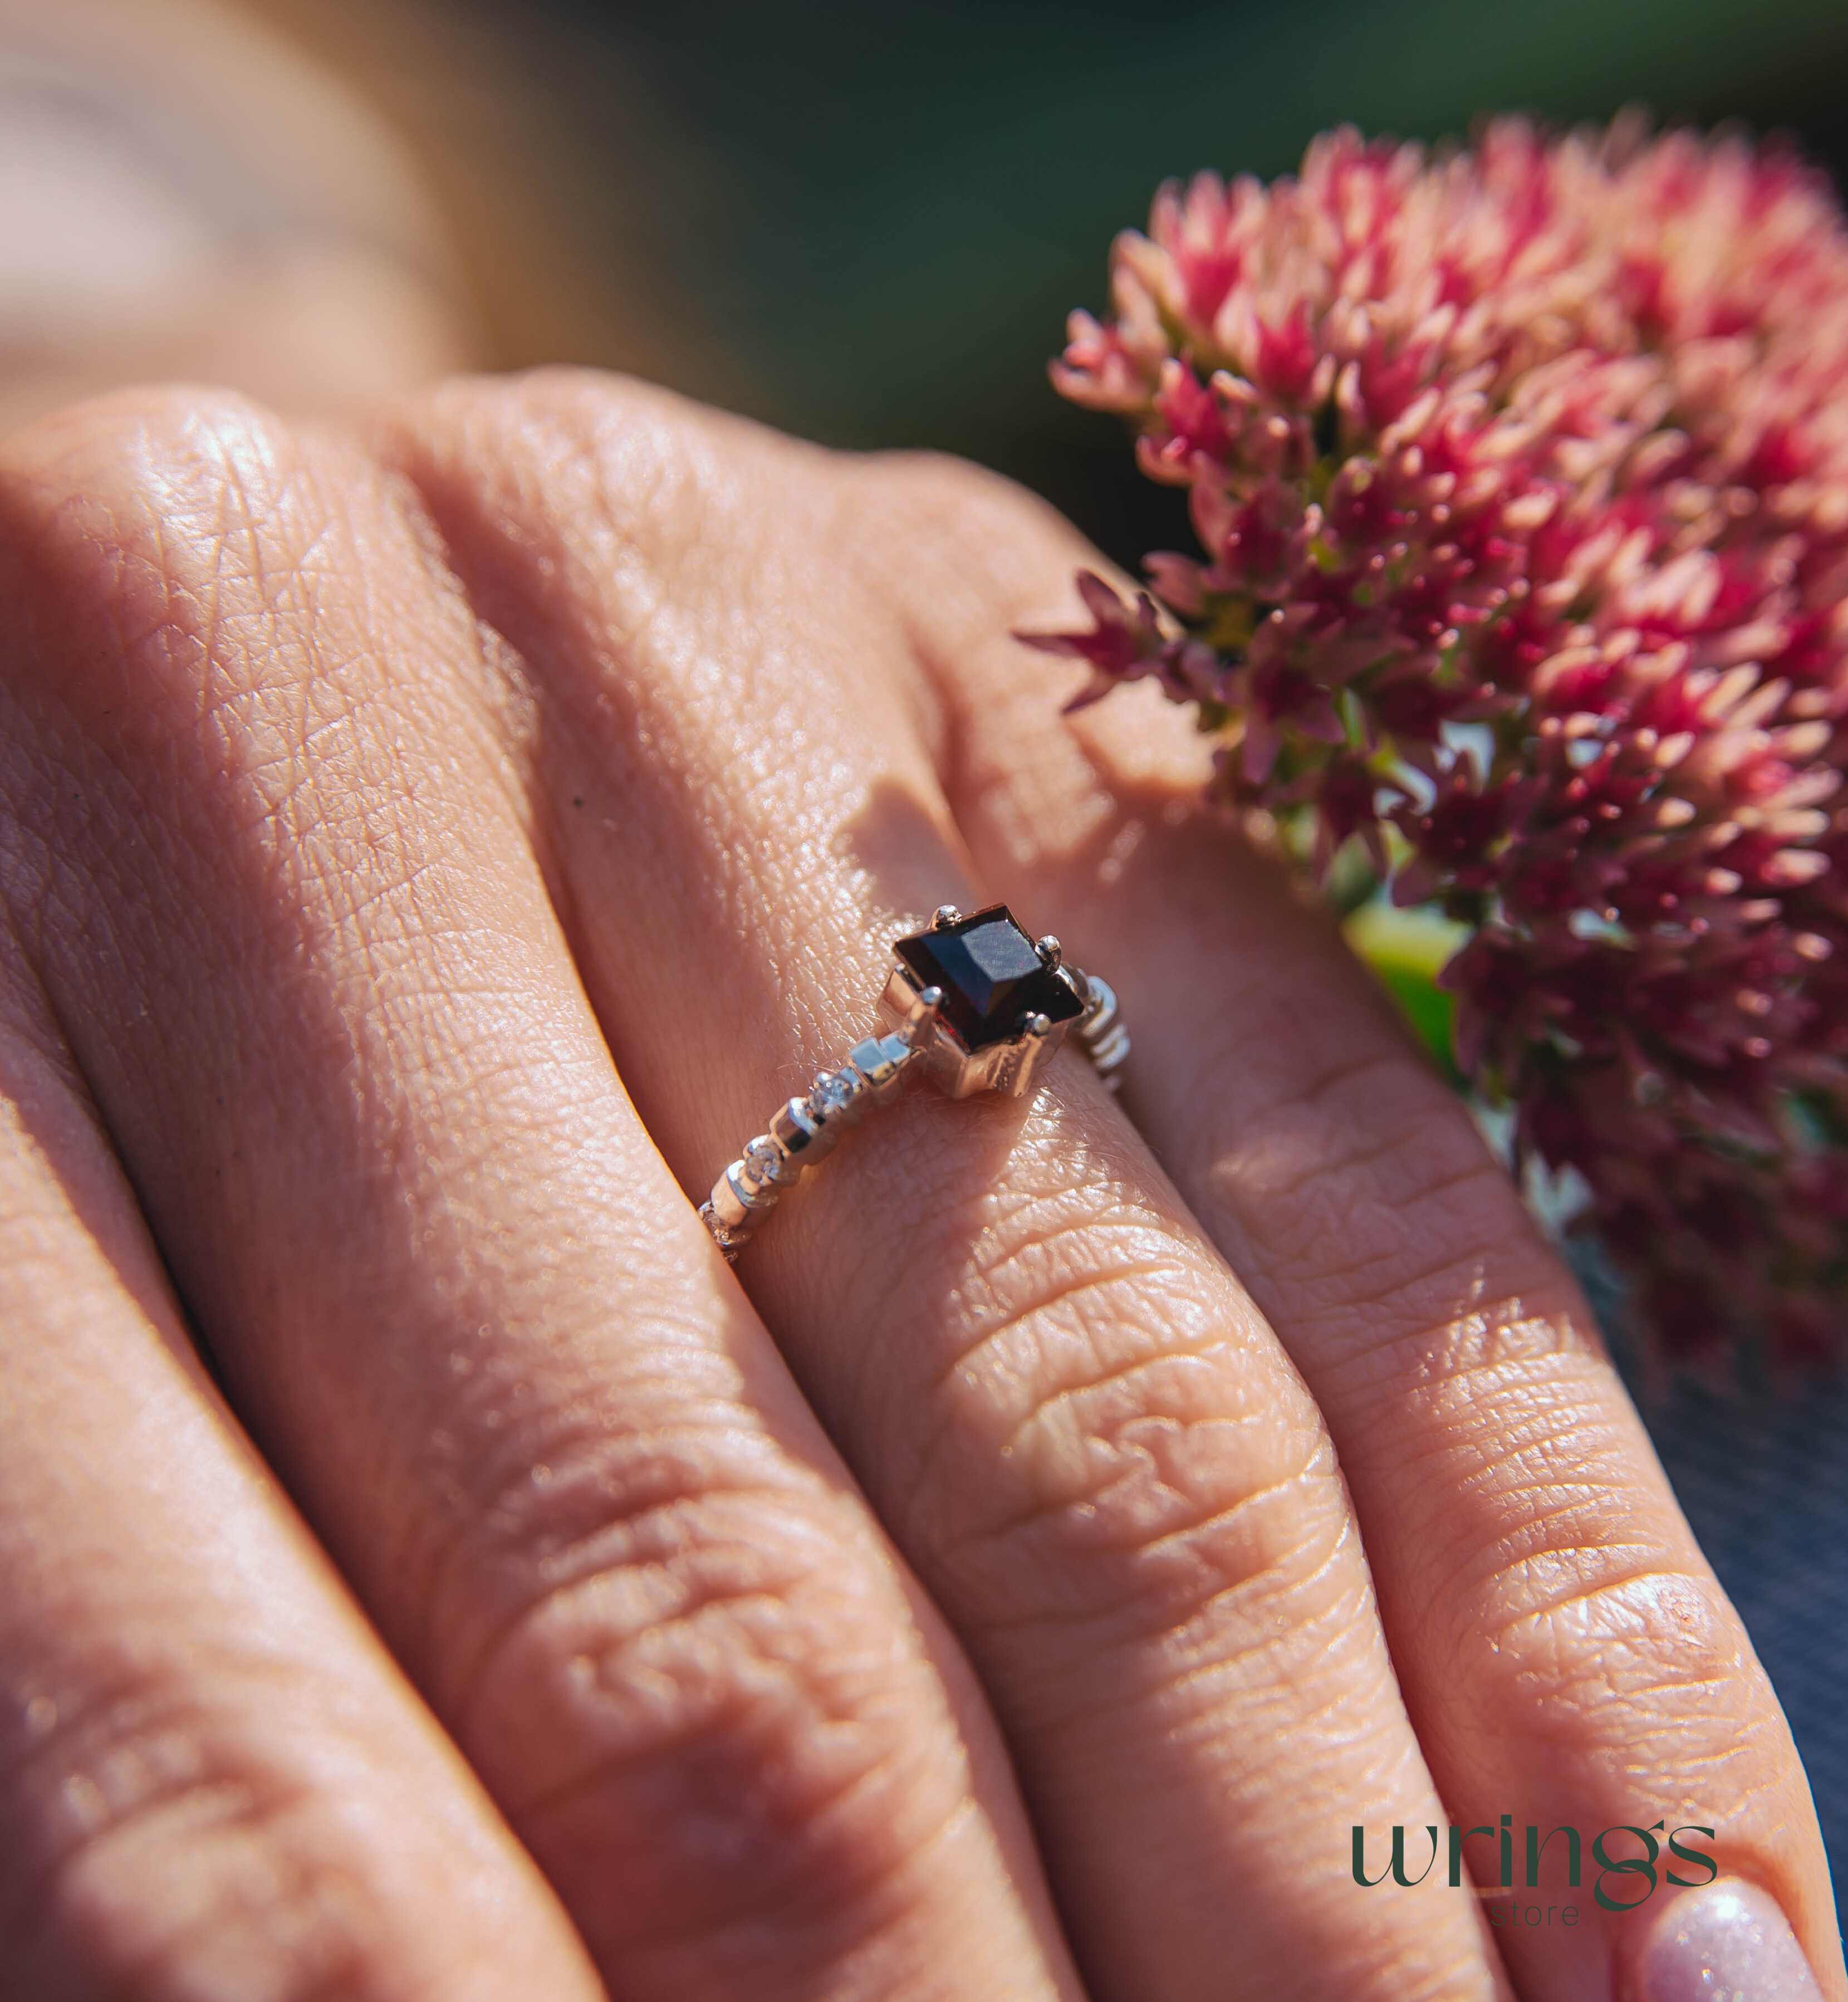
[(974, 1003)]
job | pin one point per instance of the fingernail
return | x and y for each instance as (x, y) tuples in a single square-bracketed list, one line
[(1726, 1942)]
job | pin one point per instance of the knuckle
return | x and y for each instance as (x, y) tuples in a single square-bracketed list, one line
[(1368, 1196), (980, 551), (601, 465), (939, 492), (641, 522), (156, 1858), (704, 1685), (147, 523), (1607, 1651), (213, 680), (1164, 1468), (173, 550), (527, 430)]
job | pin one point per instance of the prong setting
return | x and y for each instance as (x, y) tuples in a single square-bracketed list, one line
[(1004, 1005), (992, 989), (921, 1012)]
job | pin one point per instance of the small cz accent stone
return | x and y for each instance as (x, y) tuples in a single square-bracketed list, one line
[(833, 1094), (766, 1165), (992, 978)]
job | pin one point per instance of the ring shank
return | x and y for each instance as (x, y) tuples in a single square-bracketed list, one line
[(805, 1131)]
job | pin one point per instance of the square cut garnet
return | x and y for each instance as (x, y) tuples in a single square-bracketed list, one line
[(991, 975)]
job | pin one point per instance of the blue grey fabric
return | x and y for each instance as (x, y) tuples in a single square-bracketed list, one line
[(1764, 1480)]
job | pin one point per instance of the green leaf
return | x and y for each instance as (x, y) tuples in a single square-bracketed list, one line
[(1405, 950)]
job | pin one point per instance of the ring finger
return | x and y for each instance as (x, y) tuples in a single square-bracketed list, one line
[(1077, 1426)]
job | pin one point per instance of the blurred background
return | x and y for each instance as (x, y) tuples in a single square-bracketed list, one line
[(864, 223), (867, 222)]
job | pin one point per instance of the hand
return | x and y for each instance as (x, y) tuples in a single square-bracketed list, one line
[(425, 859)]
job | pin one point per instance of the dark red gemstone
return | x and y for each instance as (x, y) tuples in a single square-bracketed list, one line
[(992, 977)]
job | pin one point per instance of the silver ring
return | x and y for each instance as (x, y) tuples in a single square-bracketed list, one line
[(973, 1003)]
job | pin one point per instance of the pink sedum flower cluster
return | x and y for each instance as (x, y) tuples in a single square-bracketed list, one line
[(1520, 477)]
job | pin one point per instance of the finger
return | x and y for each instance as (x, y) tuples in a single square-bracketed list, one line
[(213, 1782), (315, 973), (1568, 1657), (1074, 1423)]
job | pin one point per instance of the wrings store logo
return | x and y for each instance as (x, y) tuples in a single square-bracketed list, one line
[(1624, 1881)]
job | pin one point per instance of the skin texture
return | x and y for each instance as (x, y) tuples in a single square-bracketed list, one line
[(426, 855)]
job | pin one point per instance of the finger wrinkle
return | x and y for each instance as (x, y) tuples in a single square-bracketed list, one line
[(593, 1502), (738, 1739), (1129, 1492), (1472, 1352), (1306, 1664), (131, 1770), (1262, 1594)]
